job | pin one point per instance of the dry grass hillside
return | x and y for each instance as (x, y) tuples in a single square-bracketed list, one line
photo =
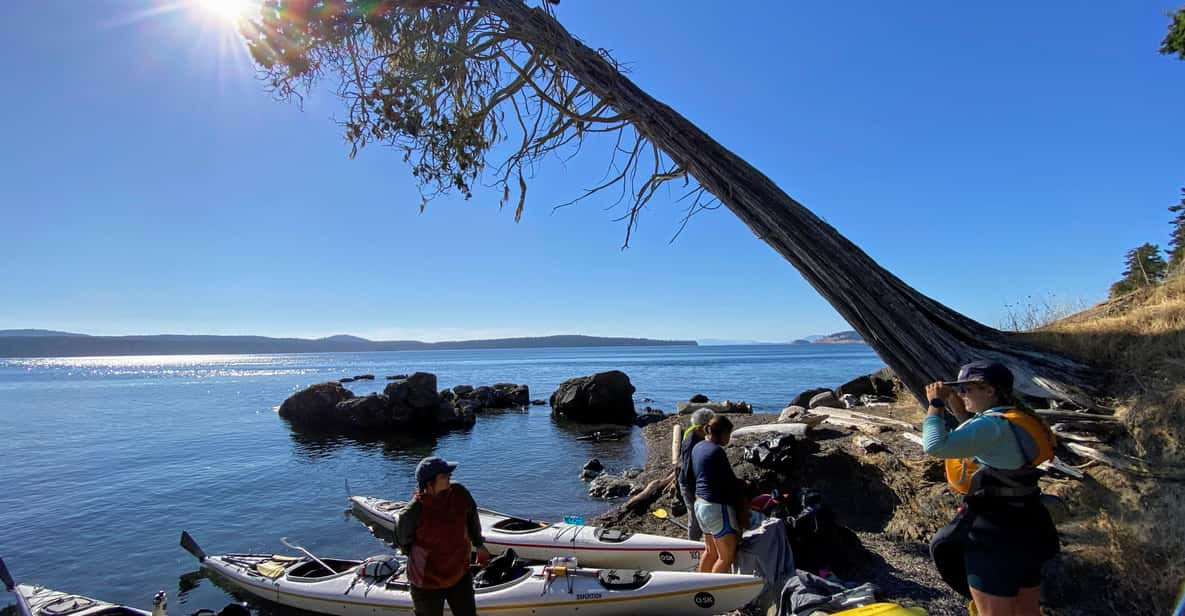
[(1125, 554)]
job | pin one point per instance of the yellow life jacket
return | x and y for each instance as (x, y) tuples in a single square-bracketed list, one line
[(1036, 442)]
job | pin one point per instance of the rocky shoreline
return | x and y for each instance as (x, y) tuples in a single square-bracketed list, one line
[(865, 490)]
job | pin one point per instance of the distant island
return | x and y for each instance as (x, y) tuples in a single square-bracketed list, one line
[(46, 343), (847, 337)]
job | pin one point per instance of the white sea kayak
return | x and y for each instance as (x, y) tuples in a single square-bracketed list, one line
[(534, 540), (41, 601), (508, 587)]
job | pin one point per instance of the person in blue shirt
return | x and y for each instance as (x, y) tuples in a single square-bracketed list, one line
[(718, 496), (1006, 534), (692, 436)]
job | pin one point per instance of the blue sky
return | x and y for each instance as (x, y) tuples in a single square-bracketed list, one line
[(987, 154)]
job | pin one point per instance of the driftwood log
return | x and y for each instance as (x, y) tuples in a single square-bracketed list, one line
[(1075, 416), (642, 500), (1065, 432), (1060, 466), (793, 429), (862, 425), (864, 422)]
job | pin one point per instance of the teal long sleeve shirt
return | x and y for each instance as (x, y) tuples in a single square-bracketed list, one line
[(988, 439)]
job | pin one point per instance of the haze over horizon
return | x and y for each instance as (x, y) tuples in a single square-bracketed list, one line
[(983, 154)]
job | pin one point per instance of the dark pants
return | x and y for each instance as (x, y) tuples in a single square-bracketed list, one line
[(430, 602), (693, 530)]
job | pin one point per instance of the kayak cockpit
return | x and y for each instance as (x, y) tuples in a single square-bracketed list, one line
[(519, 526), (502, 571), (623, 579), (313, 571), (612, 535), (75, 604)]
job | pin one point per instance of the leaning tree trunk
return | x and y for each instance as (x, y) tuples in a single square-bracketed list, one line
[(919, 338)]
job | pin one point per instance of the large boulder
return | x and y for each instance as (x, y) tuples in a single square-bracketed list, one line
[(859, 386), (314, 405), (605, 397), (486, 397), (417, 392), (881, 383), (513, 395), (885, 381), (412, 404), (453, 416), (825, 398), (610, 486), (728, 406), (804, 399), (366, 412)]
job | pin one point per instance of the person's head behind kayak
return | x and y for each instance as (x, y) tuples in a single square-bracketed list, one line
[(433, 475)]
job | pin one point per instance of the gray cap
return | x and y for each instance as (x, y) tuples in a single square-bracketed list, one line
[(701, 417), (430, 467)]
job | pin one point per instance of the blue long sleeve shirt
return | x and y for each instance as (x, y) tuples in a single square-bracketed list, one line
[(986, 438), (714, 480)]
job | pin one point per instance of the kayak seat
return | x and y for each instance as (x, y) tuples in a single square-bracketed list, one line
[(623, 579), (612, 535), (504, 568), (518, 525)]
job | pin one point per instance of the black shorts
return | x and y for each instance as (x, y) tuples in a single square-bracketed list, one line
[(1007, 544), (1001, 572)]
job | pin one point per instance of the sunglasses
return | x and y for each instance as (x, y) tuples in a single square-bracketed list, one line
[(967, 388)]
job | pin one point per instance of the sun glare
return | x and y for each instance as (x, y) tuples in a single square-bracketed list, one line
[(227, 11)]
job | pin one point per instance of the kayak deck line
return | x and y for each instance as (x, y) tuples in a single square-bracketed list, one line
[(567, 545), (657, 595), (521, 606)]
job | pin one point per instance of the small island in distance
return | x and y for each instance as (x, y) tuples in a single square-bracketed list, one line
[(46, 343)]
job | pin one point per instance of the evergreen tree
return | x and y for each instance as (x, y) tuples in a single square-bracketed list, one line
[(1177, 237), (1145, 268), (1174, 41)]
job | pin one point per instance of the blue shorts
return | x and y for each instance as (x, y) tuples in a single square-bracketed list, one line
[(716, 519)]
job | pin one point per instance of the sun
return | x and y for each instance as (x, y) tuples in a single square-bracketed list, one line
[(227, 11)]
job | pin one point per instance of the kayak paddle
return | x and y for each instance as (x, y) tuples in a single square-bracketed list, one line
[(662, 514)]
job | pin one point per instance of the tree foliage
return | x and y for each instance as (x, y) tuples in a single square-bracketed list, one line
[(446, 82), (1177, 236), (1145, 268), (1174, 41)]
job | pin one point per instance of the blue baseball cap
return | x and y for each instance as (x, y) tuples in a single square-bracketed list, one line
[(430, 467)]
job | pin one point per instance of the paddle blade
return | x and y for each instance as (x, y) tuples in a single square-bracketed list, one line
[(192, 547), (659, 513), (6, 577)]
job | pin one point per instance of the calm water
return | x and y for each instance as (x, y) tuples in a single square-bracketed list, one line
[(107, 459)]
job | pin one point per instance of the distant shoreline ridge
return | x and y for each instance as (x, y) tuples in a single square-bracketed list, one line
[(41, 343)]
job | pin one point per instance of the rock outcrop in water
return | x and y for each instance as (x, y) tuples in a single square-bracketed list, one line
[(605, 397), (409, 405), (487, 397)]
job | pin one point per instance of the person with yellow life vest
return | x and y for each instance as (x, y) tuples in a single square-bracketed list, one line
[(993, 550)]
